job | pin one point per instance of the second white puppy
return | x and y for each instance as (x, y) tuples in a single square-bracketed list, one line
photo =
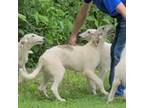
[(105, 58), (24, 46)]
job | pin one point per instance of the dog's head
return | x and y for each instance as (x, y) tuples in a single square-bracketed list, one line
[(88, 34), (31, 39), (106, 30), (99, 33)]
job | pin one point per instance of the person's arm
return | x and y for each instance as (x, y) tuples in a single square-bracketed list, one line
[(121, 9), (79, 22), (115, 5)]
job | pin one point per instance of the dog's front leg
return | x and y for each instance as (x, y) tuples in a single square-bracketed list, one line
[(92, 86), (25, 70), (20, 77), (91, 75)]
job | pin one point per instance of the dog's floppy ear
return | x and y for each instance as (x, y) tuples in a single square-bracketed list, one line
[(95, 40), (108, 30), (23, 41), (93, 33)]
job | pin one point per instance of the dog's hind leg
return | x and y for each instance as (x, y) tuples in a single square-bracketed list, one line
[(57, 78), (93, 86), (42, 88), (115, 85), (43, 85)]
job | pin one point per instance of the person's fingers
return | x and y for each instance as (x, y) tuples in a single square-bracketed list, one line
[(73, 44), (72, 41)]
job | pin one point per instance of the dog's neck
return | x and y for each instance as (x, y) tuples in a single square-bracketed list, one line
[(24, 47), (98, 45), (23, 51)]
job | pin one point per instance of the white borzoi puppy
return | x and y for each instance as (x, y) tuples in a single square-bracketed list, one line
[(105, 59), (79, 58), (120, 76), (24, 46)]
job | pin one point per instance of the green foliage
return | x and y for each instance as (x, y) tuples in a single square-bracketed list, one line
[(54, 20)]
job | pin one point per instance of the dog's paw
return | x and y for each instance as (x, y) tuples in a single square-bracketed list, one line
[(94, 93), (106, 93), (62, 100), (110, 99), (46, 95)]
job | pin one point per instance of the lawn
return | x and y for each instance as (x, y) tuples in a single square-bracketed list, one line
[(74, 88)]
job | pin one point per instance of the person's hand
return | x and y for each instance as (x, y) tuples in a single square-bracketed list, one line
[(73, 40), (121, 9)]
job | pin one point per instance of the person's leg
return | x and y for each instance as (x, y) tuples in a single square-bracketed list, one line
[(116, 49)]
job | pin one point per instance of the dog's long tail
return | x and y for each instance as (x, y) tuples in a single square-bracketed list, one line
[(34, 73)]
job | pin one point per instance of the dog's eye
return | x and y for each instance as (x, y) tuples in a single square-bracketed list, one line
[(32, 35), (99, 34), (89, 32)]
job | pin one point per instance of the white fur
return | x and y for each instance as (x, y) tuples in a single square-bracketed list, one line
[(79, 58), (24, 46), (120, 76), (83, 59), (105, 58)]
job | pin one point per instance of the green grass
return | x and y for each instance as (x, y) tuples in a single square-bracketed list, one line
[(74, 89)]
